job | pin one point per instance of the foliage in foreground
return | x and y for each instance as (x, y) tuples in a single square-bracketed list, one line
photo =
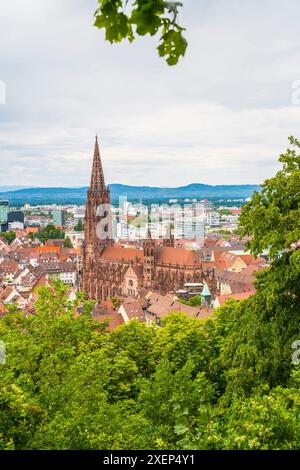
[(227, 383)]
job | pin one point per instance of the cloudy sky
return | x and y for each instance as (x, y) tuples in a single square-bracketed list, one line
[(222, 116)]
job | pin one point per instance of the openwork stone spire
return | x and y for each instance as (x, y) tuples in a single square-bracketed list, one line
[(97, 231), (97, 180)]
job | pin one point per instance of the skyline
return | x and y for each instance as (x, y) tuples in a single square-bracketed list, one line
[(222, 116)]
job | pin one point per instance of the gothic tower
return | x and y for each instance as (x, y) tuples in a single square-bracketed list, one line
[(98, 228)]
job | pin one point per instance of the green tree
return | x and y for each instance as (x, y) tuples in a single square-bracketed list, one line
[(181, 338), (224, 211), (272, 217), (50, 232), (79, 227), (265, 421), (116, 302), (123, 19), (194, 301), (71, 383)]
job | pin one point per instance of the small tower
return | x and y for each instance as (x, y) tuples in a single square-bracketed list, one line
[(205, 295), (149, 257), (169, 240)]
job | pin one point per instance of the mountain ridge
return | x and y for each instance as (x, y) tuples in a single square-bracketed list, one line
[(77, 195)]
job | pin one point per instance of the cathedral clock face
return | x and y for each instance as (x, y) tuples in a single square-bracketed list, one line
[(131, 283)]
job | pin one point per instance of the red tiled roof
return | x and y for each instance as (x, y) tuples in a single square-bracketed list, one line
[(248, 259), (238, 296), (208, 264), (232, 277), (9, 266), (162, 306), (174, 256), (118, 253), (179, 307), (210, 242), (134, 310), (252, 269), (6, 292), (32, 230), (115, 319), (160, 303)]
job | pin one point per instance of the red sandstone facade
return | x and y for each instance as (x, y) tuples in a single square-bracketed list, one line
[(112, 270)]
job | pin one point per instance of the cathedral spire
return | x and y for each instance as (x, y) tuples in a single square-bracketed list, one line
[(169, 240), (97, 179)]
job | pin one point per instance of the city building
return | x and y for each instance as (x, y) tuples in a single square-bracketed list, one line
[(4, 210), (15, 216), (15, 220)]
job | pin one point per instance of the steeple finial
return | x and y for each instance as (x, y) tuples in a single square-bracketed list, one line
[(97, 179), (169, 240)]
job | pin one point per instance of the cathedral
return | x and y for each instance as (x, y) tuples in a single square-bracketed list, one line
[(110, 269)]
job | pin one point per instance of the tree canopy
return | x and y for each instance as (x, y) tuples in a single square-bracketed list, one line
[(79, 227), (272, 217), (127, 19), (67, 243), (8, 236), (50, 232), (226, 383)]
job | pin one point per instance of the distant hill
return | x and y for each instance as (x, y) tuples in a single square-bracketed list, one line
[(11, 188), (78, 195)]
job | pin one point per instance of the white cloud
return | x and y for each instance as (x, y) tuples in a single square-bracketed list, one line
[(221, 116)]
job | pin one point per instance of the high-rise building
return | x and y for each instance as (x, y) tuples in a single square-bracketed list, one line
[(15, 220), (59, 218), (4, 209), (15, 216)]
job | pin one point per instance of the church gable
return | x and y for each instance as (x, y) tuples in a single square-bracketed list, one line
[(133, 281), (134, 272)]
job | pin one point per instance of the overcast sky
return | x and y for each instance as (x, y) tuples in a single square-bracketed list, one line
[(222, 116)]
